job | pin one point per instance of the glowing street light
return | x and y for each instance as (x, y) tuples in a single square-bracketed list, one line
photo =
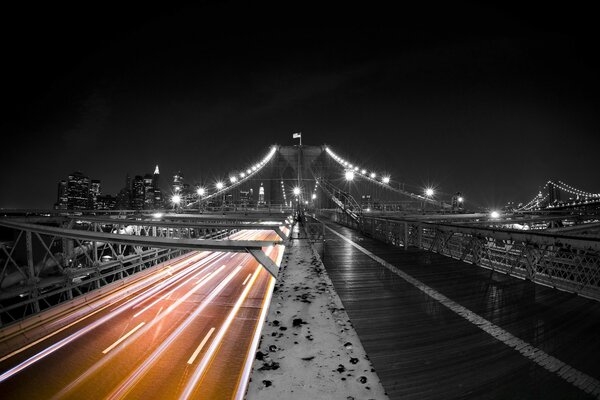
[(296, 191), (176, 199), (373, 175), (349, 175), (200, 191), (364, 171), (314, 196), (386, 179), (460, 199), (429, 192), (233, 179), (219, 185), (495, 215)]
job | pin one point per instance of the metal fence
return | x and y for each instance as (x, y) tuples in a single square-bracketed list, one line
[(46, 260), (563, 262)]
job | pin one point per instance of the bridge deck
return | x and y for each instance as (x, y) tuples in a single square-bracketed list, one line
[(422, 349)]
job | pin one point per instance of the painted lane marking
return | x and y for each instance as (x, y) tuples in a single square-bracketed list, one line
[(214, 346), (115, 344), (200, 346), (128, 383), (74, 336), (98, 366), (246, 280), (577, 378)]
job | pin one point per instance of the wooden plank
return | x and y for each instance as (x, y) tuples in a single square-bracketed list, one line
[(422, 350)]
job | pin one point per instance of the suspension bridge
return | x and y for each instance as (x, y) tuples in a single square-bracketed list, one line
[(445, 302)]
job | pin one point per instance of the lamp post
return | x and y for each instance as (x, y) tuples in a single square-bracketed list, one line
[(429, 192), (200, 192), (176, 200)]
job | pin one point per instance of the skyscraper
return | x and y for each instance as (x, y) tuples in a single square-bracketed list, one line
[(137, 193), (62, 198), (155, 177), (148, 192), (95, 191), (78, 192)]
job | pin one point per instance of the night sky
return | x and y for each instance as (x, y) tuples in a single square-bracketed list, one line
[(492, 102)]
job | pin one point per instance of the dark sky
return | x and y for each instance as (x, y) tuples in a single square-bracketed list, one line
[(489, 101)]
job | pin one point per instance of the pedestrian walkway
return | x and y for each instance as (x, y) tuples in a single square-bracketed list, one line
[(438, 328), (308, 348)]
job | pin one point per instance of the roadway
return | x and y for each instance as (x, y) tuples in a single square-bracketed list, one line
[(186, 331)]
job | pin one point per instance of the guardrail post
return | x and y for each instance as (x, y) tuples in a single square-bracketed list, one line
[(31, 270)]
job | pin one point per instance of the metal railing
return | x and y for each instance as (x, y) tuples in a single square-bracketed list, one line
[(48, 259), (568, 263)]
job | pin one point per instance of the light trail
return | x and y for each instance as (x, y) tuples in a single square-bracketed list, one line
[(58, 345), (197, 375), (155, 347), (100, 365), (107, 298), (247, 369), (132, 379)]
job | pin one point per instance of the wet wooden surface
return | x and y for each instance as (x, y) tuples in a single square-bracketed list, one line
[(422, 350)]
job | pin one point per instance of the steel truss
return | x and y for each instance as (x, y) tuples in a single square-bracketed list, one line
[(563, 262), (47, 265)]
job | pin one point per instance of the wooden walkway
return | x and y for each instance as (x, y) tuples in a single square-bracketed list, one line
[(421, 349)]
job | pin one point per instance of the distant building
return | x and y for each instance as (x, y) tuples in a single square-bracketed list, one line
[(148, 192), (106, 202), (261, 195), (177, 182), (62, 198), (137, 193), (95, 191), (366, 201), (78, 192), (155, 177), (457, 202)]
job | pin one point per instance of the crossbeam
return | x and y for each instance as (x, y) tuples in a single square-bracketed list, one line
[(160, 242)]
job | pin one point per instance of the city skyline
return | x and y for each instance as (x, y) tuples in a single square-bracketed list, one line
[(489, 101)]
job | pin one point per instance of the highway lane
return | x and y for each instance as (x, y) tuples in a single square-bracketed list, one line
[(161, 342)]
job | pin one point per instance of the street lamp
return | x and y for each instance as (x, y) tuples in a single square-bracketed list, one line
[(495, 215), (349, 175), (429, 192), (176, 200), (219, 185), (386, 179), (373, 175), (200, 191), (296, 191)]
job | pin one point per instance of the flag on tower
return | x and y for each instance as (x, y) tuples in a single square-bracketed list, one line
[(297, 135)]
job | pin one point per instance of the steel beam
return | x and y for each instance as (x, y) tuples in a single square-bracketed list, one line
[(265, 261), (148, 241)]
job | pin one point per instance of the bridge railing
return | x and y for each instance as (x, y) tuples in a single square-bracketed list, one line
[(46, 260), (563, 262)]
